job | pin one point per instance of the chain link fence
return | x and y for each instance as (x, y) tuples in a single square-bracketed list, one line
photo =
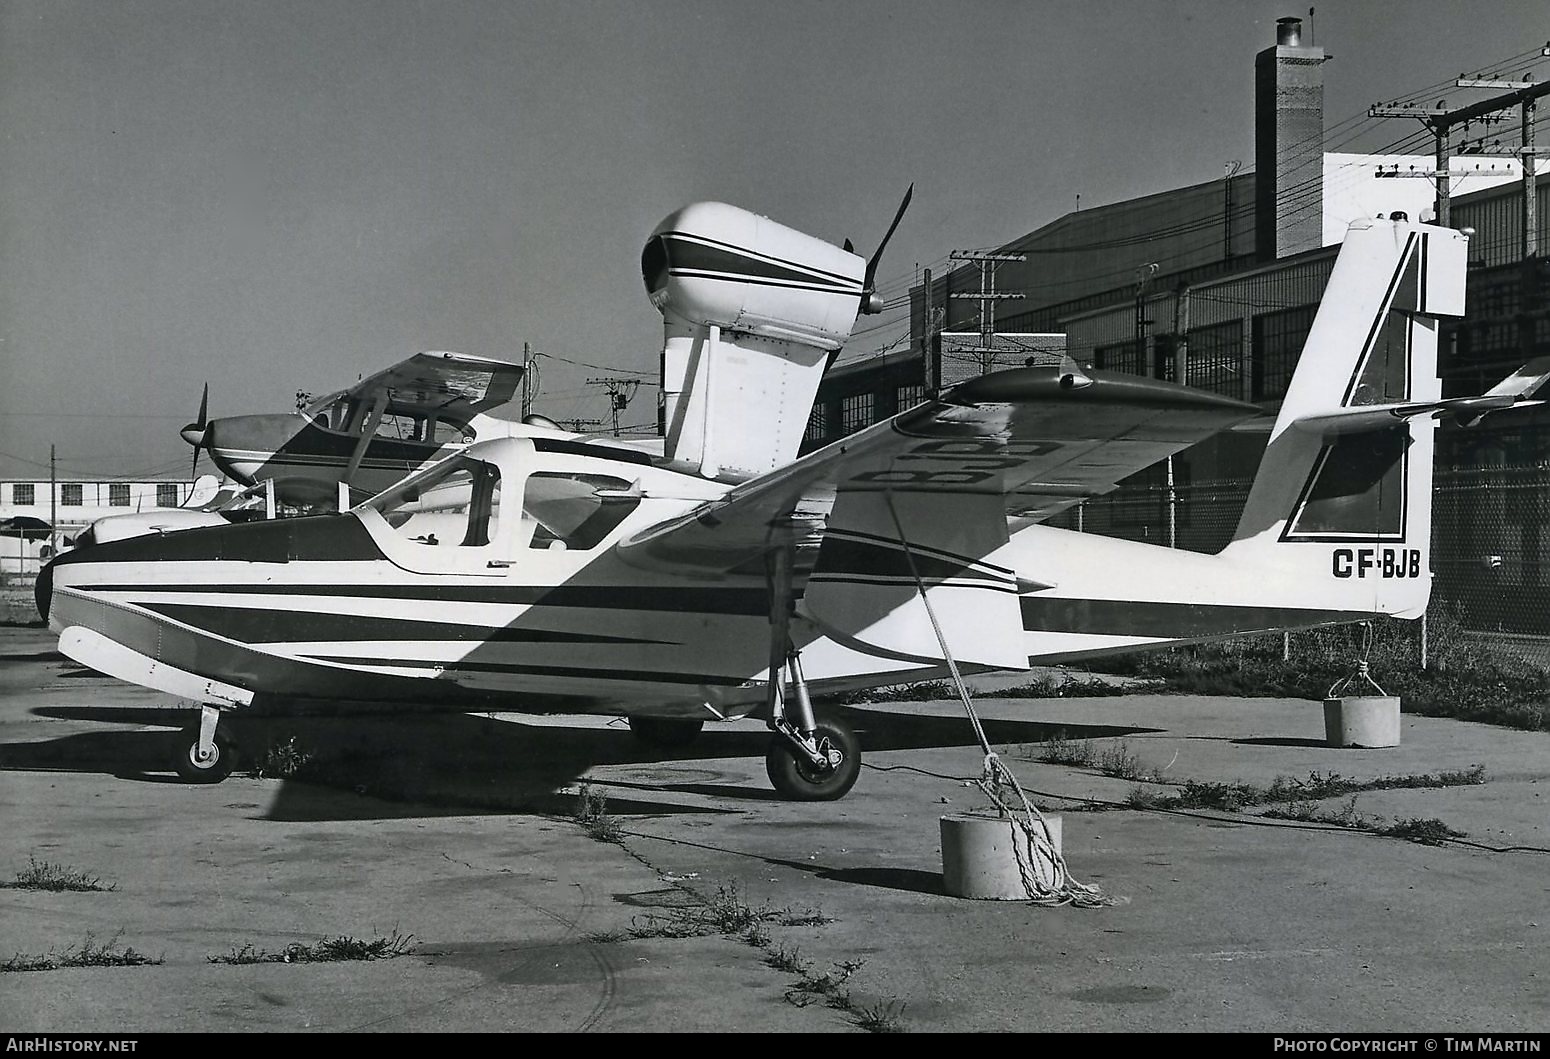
[(1490, 541)]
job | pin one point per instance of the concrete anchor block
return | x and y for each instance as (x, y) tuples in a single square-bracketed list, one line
[(980, 856), (1366, 721)]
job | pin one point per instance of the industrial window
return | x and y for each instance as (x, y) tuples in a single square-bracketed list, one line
[(166, 494), (118, 494), (910, 396), (576, 511), (816, 429), (23, 495), (1278, 341), (855, 412), (70, 494), (1216, 358), (1120, 356)]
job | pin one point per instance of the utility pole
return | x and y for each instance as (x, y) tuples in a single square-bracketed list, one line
[(620, 391), (1231, 168), (987, 297), (1144, 276), (53, 500), (1441, 122)]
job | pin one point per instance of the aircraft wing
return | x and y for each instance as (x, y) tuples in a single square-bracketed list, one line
[(429, 382), (1041, 438)]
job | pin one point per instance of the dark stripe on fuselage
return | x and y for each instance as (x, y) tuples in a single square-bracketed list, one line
[(1171, 621), (841, 556), (730, 601), (903, 582), (643, 676), (256, 625), (582, 448), (696, 252), (919, 549), (320, 538)]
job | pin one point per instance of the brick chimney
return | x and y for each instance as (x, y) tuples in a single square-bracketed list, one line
[(1288, 145)]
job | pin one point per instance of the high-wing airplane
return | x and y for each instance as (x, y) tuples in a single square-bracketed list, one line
[(723, 578), (367, 436)]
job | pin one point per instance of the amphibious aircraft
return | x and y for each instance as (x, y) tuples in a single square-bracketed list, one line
[(368, 435), (726, 578)]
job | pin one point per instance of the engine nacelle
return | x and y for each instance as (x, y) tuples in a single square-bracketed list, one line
[(715, 265)]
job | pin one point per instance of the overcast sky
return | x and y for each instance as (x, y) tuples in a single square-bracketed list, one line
[(272, 196)]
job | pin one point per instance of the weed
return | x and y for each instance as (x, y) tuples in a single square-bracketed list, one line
[(1119, 762), (1143, 798), (757, 935), (1231, 797), (282, 761), (828, 987), (43, 875), (1058, 750), (338, 949), (607, 937), (592, 815), (788, 960), (1071, 687), (724, 913), (923, 691), (885, 1016), (89, 954), (1428, 832)]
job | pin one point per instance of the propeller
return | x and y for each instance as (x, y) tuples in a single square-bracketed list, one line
[(870, 301), (197, 432)]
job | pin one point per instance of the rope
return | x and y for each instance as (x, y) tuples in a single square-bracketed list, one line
[(1360, 672), (1042, 868)]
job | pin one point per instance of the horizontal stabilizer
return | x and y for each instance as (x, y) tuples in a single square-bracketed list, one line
[(1515, 391)]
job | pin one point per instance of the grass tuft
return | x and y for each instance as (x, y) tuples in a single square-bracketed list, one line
[(592, 814), (282, 761), (1428, 832), (87, 954), (43, 875), (340, 949), (885, 1016), (1058, 750)]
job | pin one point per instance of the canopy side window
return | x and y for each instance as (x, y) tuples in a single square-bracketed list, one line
[(576, 511), (458, 506)]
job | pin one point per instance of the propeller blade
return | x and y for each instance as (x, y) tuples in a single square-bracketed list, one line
[(870, 282), (197, 432)]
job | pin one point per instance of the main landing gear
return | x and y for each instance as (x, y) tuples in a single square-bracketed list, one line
[(202, 754), (809, 760)]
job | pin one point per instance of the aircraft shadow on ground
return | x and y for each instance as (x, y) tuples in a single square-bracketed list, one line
[(458, 764)]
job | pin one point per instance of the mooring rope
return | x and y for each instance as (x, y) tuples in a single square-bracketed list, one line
[(1049, 881)]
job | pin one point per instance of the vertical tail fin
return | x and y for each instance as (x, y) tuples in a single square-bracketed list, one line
[(1352, 510), (752, 311)]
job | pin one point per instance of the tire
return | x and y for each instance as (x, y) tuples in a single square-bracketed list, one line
[(799, 780), (665, 731), (194, 771)]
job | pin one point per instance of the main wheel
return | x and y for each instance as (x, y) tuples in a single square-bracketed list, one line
[(665, 731), (191, 768), (800, 780)]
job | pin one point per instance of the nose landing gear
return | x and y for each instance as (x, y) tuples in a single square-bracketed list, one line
[(201, 753)]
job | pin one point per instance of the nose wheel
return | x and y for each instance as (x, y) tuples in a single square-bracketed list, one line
[(201, 753)]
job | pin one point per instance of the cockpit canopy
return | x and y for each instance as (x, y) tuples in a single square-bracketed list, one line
[(466, 502)]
